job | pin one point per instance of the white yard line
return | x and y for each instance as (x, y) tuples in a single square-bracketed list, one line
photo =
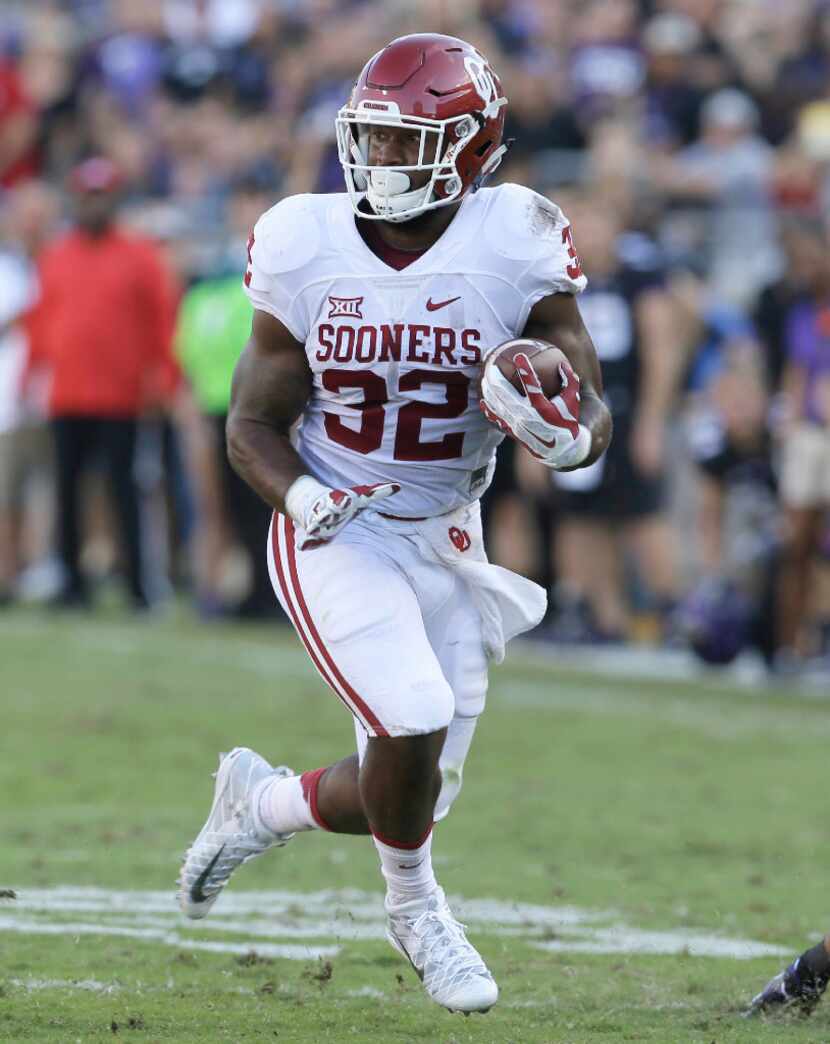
[(168, 938), (91, 985), (621, 939), (330, 918)]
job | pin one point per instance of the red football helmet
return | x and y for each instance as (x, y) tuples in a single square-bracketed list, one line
[(441, 86)]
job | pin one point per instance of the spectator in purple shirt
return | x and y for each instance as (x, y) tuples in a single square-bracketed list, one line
[(805, 459)]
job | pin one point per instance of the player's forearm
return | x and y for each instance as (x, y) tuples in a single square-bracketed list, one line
[(596, 417), (271, 385), (556, 319), (264, 458)]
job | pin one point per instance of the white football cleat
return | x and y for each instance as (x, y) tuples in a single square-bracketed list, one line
[(434, 943), (233, 833)]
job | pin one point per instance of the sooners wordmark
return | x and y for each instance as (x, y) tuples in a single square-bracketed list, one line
[(398, 342)]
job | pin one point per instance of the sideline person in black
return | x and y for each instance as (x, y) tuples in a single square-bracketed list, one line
[(614, 508)]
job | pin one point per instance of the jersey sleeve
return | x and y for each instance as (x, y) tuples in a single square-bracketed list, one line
[(281, 247), (534, 234)]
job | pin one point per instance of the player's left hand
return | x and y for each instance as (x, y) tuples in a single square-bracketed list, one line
[(322, 511), (548, 428)]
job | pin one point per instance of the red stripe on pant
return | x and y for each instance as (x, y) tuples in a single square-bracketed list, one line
[(275, 546), (363, 710), (330, 672)]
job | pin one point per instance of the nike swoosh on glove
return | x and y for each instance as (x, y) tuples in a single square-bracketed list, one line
[(548, 428), (322, 511)]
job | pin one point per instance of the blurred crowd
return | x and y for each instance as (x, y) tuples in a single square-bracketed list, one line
[(687, 140)]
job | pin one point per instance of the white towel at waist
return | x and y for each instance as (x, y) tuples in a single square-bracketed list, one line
[(508, 604)]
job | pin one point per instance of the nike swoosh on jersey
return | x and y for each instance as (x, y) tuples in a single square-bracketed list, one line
[(433, 306), (196, 893)]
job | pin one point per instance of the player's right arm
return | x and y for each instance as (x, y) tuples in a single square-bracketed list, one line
[(271, 386), (272, 383)]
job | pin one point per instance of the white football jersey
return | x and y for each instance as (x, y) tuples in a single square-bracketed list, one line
[(396, 355)]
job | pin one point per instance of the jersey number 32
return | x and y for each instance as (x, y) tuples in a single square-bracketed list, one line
[(408, 443)]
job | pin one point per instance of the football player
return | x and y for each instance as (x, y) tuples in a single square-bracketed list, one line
[(799, 986), (374, 310)]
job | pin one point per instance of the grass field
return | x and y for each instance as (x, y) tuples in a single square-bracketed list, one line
[(621, 850)]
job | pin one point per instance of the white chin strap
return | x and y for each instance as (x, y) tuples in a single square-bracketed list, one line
[(389, 195)]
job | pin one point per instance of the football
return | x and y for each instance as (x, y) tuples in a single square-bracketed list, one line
[(545, 357)]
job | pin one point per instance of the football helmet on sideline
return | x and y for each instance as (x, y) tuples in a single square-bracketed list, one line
[(442, 87)]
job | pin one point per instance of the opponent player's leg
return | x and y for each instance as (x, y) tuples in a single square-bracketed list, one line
[(800, 985)]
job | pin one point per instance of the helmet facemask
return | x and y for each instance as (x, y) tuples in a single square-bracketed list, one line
[(387, 189)]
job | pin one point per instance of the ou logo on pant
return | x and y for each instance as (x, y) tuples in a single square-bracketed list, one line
[(459, 538)]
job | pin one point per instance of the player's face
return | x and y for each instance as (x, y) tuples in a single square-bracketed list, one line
[(399, 147)]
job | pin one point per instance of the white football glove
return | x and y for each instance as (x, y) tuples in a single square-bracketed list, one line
[(548, 428), (322, 511)]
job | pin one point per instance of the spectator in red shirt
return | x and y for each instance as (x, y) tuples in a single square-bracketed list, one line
[(104, 325)]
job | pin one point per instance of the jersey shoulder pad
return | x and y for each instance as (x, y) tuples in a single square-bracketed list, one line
[(283, 251), (522, 224), (534, 235), (287, 237)]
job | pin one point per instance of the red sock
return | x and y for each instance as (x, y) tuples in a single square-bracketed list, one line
[(289, 805)]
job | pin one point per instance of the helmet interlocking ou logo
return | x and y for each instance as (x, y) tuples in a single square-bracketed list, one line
[(483, 82), (459, 538)]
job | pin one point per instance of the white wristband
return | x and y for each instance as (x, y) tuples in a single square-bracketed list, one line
[(301, 495), (576, 452)]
